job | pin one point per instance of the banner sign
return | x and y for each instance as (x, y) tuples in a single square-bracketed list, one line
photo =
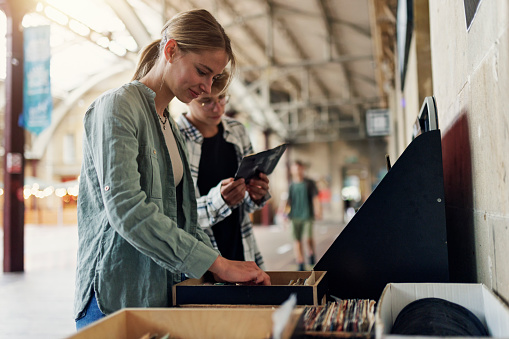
[(37, 100)]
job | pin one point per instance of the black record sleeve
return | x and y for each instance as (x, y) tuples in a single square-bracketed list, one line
[(262, 162)]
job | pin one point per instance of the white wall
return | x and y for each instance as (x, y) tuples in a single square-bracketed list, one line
[(471, 85)]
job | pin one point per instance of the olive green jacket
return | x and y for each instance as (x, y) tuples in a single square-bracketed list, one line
[(134, 240)]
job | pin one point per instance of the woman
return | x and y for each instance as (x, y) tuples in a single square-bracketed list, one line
[(216, 145), (137, 223)]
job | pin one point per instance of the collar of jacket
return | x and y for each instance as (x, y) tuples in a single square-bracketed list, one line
[(192, 133)]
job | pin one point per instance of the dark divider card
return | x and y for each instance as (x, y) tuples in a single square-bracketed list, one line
[(262, 162)]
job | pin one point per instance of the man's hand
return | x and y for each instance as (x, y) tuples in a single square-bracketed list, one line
[(317, 207), (238, 272), (258, 187), (233, 191)]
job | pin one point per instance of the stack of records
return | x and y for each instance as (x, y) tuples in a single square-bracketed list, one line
[(351, 318)]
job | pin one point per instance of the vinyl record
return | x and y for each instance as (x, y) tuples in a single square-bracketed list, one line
[(437, 317)]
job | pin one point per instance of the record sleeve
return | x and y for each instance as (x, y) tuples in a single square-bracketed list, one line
[(262, 162)]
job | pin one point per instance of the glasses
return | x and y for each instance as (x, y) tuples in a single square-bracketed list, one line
[(209, 103)]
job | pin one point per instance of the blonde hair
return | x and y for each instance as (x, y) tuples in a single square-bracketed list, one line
[(194, 31), (221, 83)]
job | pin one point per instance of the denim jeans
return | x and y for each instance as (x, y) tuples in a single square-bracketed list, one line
[(90, 314)]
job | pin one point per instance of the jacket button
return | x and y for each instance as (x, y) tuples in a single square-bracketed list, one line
[(106, 188)]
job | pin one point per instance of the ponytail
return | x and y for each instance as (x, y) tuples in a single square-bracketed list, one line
[(148, 57)]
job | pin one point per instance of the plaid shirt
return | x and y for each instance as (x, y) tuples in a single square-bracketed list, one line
[(211, 206)]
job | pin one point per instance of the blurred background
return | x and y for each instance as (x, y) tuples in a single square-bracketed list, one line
[(309, 71), (340, 81)]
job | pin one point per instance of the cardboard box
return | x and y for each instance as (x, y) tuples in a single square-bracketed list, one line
[(477, 298), (133, 323), (193, 292)]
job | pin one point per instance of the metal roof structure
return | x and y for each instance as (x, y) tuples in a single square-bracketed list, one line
[(307, 69)]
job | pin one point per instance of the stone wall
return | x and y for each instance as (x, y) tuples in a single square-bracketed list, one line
[(470, 80)]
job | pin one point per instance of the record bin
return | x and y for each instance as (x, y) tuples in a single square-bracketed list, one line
[(136, 323), (197, 292)]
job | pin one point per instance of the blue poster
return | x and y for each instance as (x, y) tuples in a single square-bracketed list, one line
[(37, 101)]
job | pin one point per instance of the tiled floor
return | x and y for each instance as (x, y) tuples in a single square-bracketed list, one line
[(38, 303)]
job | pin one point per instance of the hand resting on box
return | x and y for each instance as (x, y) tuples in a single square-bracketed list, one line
[(238, 271)]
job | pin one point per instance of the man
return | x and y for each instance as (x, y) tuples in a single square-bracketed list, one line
[(216, 145), (304, 208)]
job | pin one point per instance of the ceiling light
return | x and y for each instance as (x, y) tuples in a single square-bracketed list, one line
[(56, 15), (103, 42), (117, 48), (79, 28)]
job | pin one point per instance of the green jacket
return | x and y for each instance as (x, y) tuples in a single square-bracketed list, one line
[(134, 239)]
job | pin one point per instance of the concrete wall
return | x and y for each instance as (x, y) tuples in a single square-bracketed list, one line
[(471, 84)]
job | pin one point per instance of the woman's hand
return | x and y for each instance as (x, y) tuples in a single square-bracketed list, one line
[(238, 272)]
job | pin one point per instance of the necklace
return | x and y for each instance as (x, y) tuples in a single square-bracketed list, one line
[(163, 122)]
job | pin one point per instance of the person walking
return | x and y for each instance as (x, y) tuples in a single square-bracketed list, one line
[(137, 217), (304, 208)]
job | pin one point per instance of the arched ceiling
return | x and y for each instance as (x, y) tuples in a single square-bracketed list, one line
[(308, 69), (315, 66)]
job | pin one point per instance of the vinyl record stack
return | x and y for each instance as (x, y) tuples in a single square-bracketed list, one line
[(350, 318)]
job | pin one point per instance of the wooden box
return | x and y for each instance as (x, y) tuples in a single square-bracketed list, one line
[(185, 323)]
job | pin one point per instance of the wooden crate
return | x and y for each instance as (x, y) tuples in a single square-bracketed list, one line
[(185, 323)]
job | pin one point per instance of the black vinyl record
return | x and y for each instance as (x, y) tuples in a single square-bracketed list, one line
[(437, 317)]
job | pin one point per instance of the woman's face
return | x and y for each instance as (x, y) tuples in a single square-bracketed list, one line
[(192, 74), (208, 109)]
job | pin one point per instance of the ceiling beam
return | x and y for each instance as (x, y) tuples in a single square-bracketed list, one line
[(324, 103), (333, 43), (242, 19), (131, 20), (294, 42), (310, 63), (285, 9), (226, 4), (260, 114), (323, 5)]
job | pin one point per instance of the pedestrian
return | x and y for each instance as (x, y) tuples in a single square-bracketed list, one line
[(304, 209), (137, 219), (216, 145)]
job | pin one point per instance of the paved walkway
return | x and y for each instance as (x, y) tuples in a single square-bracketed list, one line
[(38, 303)]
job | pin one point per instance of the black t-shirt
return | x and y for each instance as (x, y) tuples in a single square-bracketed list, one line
[(219, 161)]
